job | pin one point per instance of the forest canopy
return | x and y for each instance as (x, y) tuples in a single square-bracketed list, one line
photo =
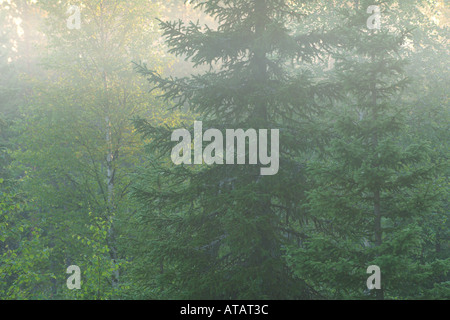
[(224, 150)]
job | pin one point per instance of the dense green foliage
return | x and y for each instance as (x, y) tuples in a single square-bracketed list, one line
[(86, 177)]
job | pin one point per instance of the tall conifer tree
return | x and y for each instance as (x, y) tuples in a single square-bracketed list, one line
[(373, 187), (219, 231)]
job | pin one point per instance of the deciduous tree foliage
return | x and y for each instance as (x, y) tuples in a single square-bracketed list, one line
[(77, 146)]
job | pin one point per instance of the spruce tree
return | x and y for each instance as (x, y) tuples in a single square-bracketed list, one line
[(373, 188), (218, 232)]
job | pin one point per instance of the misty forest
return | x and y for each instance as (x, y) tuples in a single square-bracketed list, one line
[(92, 91)]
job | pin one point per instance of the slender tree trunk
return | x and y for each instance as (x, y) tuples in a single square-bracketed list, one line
[(110, 158), (110, 170), (260, 56), (378, 231), (377, 213), (269, 245), (110, 166)]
